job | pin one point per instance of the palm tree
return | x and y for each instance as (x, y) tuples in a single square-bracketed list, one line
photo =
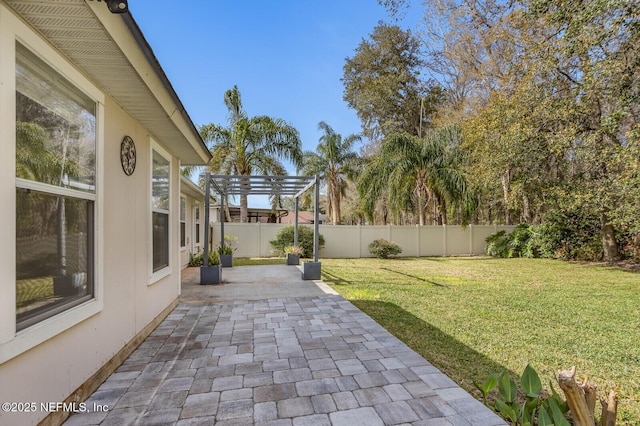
[(250, 144), (334, 159), (416, 171)]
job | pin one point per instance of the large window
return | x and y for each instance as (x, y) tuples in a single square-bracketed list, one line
[(55, 191), (160, 210)]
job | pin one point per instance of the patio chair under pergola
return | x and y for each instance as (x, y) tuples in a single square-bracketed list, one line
[(226, 185)]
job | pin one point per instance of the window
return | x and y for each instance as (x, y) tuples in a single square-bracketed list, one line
[(55, 191), (197, 223), (183, 224), (160, 210)]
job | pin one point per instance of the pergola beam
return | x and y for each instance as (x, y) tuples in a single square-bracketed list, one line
[(227, 185), (260, 185), (309, 185)]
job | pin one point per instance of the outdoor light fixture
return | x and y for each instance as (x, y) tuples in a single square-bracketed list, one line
[(117, 6)]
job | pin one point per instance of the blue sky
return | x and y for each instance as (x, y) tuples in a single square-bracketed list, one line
[(285, 56)]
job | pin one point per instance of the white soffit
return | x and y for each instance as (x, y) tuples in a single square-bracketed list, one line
[(75, 30)]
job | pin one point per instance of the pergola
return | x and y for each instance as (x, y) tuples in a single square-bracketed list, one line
[(226, 185)]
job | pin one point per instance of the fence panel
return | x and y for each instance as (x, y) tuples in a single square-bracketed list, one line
[(341, 241), (346, 241), (458, 241), (481, 232), (407, 238), (432, 241)]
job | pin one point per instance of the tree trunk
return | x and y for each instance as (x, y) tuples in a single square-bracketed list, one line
[(336, 209), (443, 211), (609, 242), (504, 179), (243, 208), (421, 209), (244, 185), (526, 209), (227, 213)]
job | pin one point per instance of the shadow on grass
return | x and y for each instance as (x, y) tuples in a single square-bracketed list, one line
[(333, 279), (415, 277), (461, 363)]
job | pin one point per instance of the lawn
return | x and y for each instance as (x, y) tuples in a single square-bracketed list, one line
[(250, 261), (474, 316)]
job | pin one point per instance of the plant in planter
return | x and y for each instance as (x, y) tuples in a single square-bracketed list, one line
[(226, 250), (293, 253), (226, 255), (211, 274)]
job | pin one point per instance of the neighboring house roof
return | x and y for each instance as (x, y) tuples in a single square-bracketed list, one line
[(112, 51), (254, 214), (303, 217), (282, 216)]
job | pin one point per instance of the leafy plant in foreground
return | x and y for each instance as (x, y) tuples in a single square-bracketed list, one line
[(532, 404)]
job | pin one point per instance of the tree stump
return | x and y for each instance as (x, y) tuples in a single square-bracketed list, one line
[(609, 409), (581, 399)]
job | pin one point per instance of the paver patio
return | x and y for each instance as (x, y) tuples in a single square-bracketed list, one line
[(305, 360)]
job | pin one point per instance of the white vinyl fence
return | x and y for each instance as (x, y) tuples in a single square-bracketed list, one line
[(345, 241)]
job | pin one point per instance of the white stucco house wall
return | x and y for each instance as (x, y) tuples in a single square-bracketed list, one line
[(191, 220), (90, 247)]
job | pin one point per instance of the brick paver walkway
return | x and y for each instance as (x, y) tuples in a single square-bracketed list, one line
[(282, 361)]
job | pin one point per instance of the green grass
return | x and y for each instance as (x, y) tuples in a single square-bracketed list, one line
[(471, 317), (251, 261)]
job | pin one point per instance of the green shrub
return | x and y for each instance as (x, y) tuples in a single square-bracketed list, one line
[(497, 244), (382, 248), (522, 242), (285, 236), (570, 235), (562, 235), (198, 259)]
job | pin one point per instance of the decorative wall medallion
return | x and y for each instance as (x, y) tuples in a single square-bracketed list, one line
[(128, 155)]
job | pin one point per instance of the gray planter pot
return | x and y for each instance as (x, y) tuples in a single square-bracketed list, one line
[(293, 259), (226, 260), (311, 270), (210, 274)]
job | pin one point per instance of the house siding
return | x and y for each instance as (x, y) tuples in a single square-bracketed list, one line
[(55, 367)]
